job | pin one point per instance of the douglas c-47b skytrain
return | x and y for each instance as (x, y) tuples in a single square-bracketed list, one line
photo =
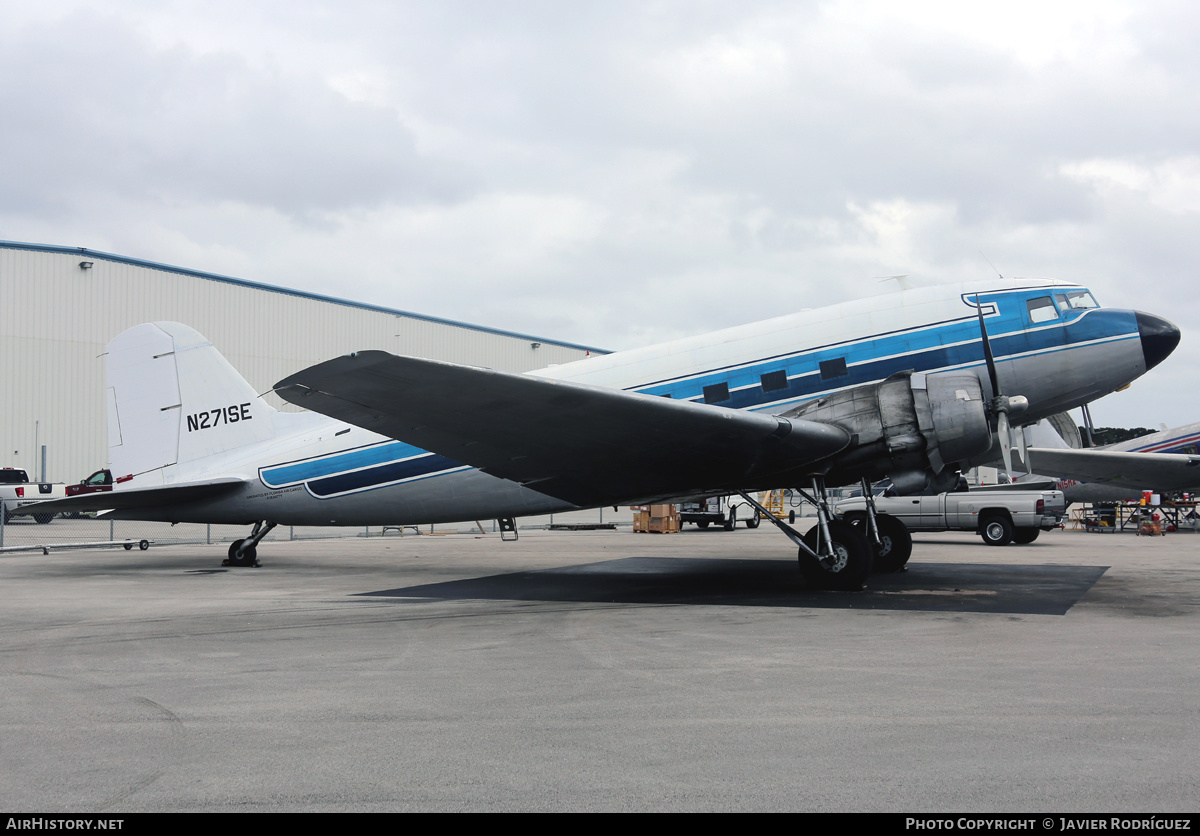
[(912, 385)]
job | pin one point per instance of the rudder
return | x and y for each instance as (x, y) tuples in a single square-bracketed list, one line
[(174, 401)]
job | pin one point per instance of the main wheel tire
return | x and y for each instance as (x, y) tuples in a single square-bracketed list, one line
[(850, 564), (895, 547), (752, 522), (248, 558), (1025, 536), (42, 519), (996, 531)]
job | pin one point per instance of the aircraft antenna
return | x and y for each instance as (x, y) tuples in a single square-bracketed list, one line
[(993, 266), (901, 280)]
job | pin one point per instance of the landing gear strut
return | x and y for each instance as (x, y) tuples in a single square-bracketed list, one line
[(245, 552), (833, 555), (838, 556), (889, 537)]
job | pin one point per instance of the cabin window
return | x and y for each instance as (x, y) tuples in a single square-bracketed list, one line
[(833, 368), (1042, 309), (716, 393), (774, 381)]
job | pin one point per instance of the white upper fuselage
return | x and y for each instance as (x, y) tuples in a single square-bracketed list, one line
[(927, 329)]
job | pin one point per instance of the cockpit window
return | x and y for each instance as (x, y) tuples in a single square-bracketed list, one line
[(1081, 300), (1042, 309)]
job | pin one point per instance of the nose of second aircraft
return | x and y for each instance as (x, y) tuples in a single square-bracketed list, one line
[(1159, 338)]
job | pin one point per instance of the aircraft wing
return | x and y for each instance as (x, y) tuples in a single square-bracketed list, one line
[(1143, 471), (134, 497), (588, 445)]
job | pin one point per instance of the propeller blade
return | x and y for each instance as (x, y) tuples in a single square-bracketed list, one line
[(1023, 451), (1005, 433), (987, 349)]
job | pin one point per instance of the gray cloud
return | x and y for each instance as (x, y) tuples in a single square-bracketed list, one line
[(92, 108)]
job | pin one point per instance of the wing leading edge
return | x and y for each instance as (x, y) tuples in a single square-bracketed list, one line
[(587, 445)]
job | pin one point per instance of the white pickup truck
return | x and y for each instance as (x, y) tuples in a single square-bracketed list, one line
[(724, 511), (1000, 514), (16, 491)]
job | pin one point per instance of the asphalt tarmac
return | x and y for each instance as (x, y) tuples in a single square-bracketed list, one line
[(602, 671)]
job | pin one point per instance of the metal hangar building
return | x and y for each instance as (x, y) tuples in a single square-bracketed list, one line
[(59, 306)]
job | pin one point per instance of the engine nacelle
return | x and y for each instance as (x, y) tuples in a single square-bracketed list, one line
[(909, 427)]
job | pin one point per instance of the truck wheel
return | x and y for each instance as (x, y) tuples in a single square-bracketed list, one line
[(996, 531), (850, 564), (1024, 536)]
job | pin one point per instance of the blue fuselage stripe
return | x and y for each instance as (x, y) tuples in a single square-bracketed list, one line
[(383, 474), (926, 351), (364, 457)]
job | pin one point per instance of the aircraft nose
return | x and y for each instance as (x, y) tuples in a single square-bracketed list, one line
[(1159, 337)]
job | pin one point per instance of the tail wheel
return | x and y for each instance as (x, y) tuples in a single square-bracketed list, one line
[(849, 565), (752, 522), (996, 531), (42, 519), (248, 558)]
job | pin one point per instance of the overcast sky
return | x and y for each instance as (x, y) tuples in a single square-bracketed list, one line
[(619, 173)]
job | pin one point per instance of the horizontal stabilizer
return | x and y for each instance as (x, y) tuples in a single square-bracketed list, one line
[(152, 497), (1143, 471), (588, 445)]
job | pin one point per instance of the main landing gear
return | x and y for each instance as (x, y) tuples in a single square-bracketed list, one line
[(841, 554), (888, 536), (834, 554), (245, 552)]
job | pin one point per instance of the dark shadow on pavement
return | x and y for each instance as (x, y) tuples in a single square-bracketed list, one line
[(938, 587)]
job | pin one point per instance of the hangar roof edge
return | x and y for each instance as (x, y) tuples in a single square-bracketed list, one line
[(216, 277)]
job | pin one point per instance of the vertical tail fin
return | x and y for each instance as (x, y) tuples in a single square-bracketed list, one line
[(174, 401)]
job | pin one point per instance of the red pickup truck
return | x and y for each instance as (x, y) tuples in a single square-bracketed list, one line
[(101, 480)]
